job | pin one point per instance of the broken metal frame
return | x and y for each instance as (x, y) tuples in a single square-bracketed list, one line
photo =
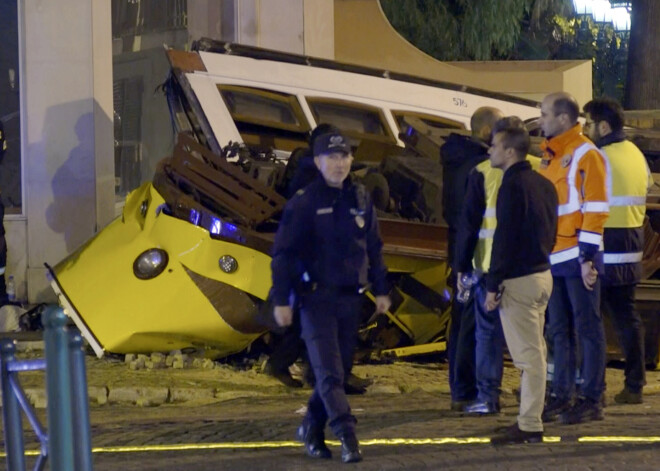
[(244, 198)]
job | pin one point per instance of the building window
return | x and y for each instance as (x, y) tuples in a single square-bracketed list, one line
[(142, 125), (127, 101)]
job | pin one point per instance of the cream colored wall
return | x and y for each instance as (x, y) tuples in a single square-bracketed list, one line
[(295, 26), (67, 140), (364, 36), (319, 31), (577, 81), (531, 79)]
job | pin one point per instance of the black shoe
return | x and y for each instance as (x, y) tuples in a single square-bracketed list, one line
[(482, 408), (513, 435), (459, 406), (283, 376), (584, 410), (626, 396), (356, 385), (350, 449), (553, 408), (314, 441)]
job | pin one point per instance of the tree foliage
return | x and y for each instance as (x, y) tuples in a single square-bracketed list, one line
[(513, 29), (467, 29)]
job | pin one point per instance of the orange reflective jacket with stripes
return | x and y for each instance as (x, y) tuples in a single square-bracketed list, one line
[(581, 175)]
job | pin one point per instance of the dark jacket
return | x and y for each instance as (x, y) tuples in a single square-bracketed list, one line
[(459, 154), (526, 225), (467, 230), (304, 174), (332, 235)]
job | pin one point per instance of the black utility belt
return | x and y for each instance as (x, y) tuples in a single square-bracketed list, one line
[(317, 288)]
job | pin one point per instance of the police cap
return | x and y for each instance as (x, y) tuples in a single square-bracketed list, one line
[(331, 142)]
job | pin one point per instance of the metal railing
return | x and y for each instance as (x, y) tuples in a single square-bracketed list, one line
[(67, 443)]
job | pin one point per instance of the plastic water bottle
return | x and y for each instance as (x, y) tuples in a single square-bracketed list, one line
[(11, 289), (468, 280)]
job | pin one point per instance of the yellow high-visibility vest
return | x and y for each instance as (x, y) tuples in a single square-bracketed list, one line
[(492, 183), (631, 180)]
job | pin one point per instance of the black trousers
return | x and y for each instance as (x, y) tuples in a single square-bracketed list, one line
[(619, 303), (329, 328), (287, 346), (461, 352)]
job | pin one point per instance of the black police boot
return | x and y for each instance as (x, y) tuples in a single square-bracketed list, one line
[(314, 441), (356, 385), (282, 375), (350, 449)]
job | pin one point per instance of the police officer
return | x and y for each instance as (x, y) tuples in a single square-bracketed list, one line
[(329, 231), (3, 243), (623, 237)]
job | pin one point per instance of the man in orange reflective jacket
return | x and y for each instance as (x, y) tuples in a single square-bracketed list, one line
[(580, 174)]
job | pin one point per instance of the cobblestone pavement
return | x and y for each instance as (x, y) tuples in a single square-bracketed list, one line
[(407, 401)]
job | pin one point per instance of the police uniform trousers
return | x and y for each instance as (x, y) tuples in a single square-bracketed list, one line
[(489, 348), (522, 312), (330, 324), (575, 325)]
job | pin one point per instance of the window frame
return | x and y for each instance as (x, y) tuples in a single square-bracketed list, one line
[(281, 97), (401, 114)]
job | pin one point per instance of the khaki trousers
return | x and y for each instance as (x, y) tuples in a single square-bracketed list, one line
[(522, 311)]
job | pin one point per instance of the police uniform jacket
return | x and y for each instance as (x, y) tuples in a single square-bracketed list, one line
[(580, 174), (331, 236), (624, 234)]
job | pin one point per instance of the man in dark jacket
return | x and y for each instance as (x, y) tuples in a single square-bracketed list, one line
[(459, 155), (519, 280)]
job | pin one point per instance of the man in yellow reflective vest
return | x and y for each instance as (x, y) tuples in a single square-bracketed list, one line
[(579, 172), (460, 154), (623, 237), (474, 245)]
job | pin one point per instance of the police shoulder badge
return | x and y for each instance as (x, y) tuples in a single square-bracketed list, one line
[(566, 160), (359, 220)]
